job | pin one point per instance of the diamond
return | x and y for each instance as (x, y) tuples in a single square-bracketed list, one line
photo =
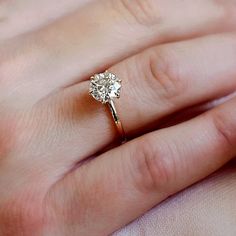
[(105, 86)]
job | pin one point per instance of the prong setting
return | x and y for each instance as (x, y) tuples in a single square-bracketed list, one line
[(105, 87)]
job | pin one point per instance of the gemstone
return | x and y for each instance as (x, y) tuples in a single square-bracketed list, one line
[(105, 86)]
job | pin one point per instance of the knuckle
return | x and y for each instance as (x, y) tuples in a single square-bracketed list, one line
[(16, 132), (139, 11), (155, 167), (162, 73), (225, 128)]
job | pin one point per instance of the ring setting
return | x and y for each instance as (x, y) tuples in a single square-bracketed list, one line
[(105, 87)]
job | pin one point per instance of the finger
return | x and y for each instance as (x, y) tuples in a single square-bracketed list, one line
[(187, 73), (15, 15), (124, 183), (201, 201), (191, 112), (95, 37)]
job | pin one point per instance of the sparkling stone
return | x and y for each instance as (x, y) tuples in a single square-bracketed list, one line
[(105, 86)]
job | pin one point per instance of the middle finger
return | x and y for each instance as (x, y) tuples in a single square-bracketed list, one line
[(95, 37)]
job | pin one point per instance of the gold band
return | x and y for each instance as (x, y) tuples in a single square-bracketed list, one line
[(118, 123)]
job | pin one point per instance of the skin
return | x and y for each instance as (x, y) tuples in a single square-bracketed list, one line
[(62, 171)]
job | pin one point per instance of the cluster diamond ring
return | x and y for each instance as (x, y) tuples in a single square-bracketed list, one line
[(105, 88)]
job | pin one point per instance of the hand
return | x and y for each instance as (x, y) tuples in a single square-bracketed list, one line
[(169, 61)]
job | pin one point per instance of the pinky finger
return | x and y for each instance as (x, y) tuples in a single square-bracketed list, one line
[(124, 183)]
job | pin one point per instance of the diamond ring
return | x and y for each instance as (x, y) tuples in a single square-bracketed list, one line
[(105, 87)]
